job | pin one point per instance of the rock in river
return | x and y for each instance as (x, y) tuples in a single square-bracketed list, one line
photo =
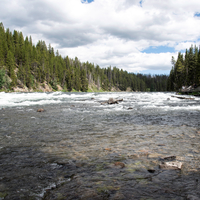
[(171, 165), (112, 101), (122, 165), (40, 110)]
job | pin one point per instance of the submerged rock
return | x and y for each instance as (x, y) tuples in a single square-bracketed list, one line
[(154, 155), (118, 196), (108, 149), (89, 194), (151, 170), (122, 165), (179, 97), (191, 197)]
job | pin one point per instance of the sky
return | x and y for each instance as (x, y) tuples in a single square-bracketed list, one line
[(138, 36)]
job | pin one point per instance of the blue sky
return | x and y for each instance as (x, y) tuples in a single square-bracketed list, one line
[(89, 1), (138, 36), (159, 49)]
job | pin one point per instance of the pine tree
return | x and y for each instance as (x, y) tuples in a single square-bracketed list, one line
[(68, 80), (28, 76), (10, 61), (16, 45), (191, 66), (84, 81), (3, 45), (2, 58), (198, 69), (2, 74)]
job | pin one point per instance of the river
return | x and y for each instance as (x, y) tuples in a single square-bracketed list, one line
[(80, 149)]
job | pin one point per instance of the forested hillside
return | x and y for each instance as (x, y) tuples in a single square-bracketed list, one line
[(25, 65), (185, 70)]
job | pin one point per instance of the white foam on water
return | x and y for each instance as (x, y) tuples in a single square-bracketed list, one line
[(144, 100)]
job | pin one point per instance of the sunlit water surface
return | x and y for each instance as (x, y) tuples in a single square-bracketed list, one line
[(69, 151)]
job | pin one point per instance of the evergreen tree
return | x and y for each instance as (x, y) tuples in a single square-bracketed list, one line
[(1, 44), (10, 62), (2, 74), (84, 81), (21, 49), (16, 45)]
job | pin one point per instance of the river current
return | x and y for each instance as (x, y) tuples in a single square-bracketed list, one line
[(80, 149)]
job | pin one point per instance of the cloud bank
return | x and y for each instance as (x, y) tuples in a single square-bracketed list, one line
[(109, 32)]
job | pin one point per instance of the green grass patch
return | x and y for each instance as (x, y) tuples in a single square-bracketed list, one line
[(93, 88), (73, 90)]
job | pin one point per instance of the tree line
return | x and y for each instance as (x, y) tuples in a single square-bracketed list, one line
[(185, 70), (23, 63)]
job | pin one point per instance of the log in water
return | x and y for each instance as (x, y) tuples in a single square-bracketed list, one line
[(77, 148)]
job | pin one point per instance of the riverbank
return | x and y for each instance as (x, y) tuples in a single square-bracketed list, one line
[(44, 87), (190, 91)]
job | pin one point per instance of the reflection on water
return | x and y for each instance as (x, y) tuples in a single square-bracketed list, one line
[(70, 150)]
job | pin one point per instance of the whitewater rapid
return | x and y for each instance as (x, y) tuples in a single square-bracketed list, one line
[(157, 100)]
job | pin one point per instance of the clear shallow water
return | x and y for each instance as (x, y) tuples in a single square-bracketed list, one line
[(61, 153)]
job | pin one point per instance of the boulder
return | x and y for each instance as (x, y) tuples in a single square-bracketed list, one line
[(40, 110), (171, 165), (112, 101)]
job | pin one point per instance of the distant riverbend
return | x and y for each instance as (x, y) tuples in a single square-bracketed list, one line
[(78, 148)]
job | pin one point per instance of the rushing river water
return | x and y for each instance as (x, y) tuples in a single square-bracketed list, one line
[(70, 150)]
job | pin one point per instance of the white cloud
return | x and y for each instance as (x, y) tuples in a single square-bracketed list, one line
[(182, 46), (108, 32)]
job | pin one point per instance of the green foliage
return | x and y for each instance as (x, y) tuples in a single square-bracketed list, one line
[(2, 79), (84, 81), (11, 66), (3, 195), (185, 70), (54, 85)]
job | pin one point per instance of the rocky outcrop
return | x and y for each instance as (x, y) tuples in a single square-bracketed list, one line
[(45, 87), (59, 88), (21, 89)]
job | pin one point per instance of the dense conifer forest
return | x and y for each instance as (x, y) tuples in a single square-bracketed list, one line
[(23, 64), (185, 70)]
